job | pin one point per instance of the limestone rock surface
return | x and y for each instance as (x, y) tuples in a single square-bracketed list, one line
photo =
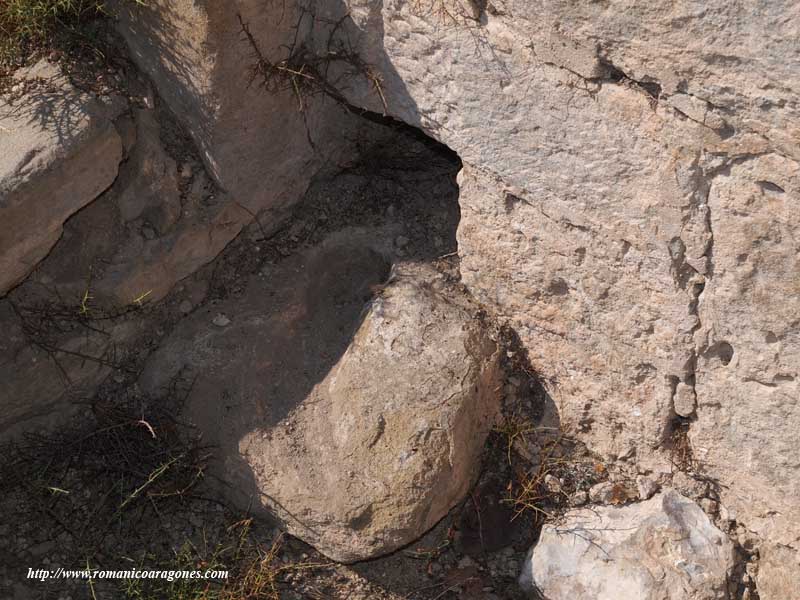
[(583, 207), (628, 194), (748, 345), (358, 425), (662, 549), (58, 151), (260, 142), (628, 173)]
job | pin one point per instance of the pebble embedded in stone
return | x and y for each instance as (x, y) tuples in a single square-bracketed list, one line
[(221, 320)]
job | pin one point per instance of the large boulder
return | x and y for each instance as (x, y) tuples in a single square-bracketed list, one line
[(662, 549), (358, 425), (60, 150)]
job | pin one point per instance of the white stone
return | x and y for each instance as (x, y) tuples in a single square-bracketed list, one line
[(662, 549)]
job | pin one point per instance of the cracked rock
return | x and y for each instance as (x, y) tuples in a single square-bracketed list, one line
[(358, 426), (607, 553), (59, 152)]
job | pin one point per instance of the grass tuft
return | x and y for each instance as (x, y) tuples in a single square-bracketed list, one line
[(35, 27)]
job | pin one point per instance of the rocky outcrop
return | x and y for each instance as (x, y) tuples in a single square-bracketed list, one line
[(628, 205), (60, 150), (358, 426), (174, 219), (260, 141), (625, 205), (662, 549), (157, 224), (98, 253)]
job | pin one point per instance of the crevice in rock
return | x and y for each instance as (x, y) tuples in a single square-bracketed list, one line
[(616, 75), (770, 187), (724, 132), (398, 194), (691, 276), (676, 440), (742, 580), (683, 392), (608, 73)]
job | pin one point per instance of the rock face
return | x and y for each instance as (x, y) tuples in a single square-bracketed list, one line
[(150, 229), (149, 179), (748, 344), (626, 204), (358, 427), (662, 549), (60, 150), (260, 147), (778, 570), (255, 140), (169, 232)]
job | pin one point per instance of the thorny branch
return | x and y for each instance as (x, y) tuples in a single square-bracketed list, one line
[(305, 70)]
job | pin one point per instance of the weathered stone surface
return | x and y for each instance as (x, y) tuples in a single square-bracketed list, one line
[(626, 198), (58, 152), (149, 178), (61, 343), (143, 234), (590, 293), (722, 56), (585, 245), (604, 147), (778, 573), (148, 269), (662, 549), (258, 145), (359, 427), (748, 346)]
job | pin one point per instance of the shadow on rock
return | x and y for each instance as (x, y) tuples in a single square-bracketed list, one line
[(358, 424)]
